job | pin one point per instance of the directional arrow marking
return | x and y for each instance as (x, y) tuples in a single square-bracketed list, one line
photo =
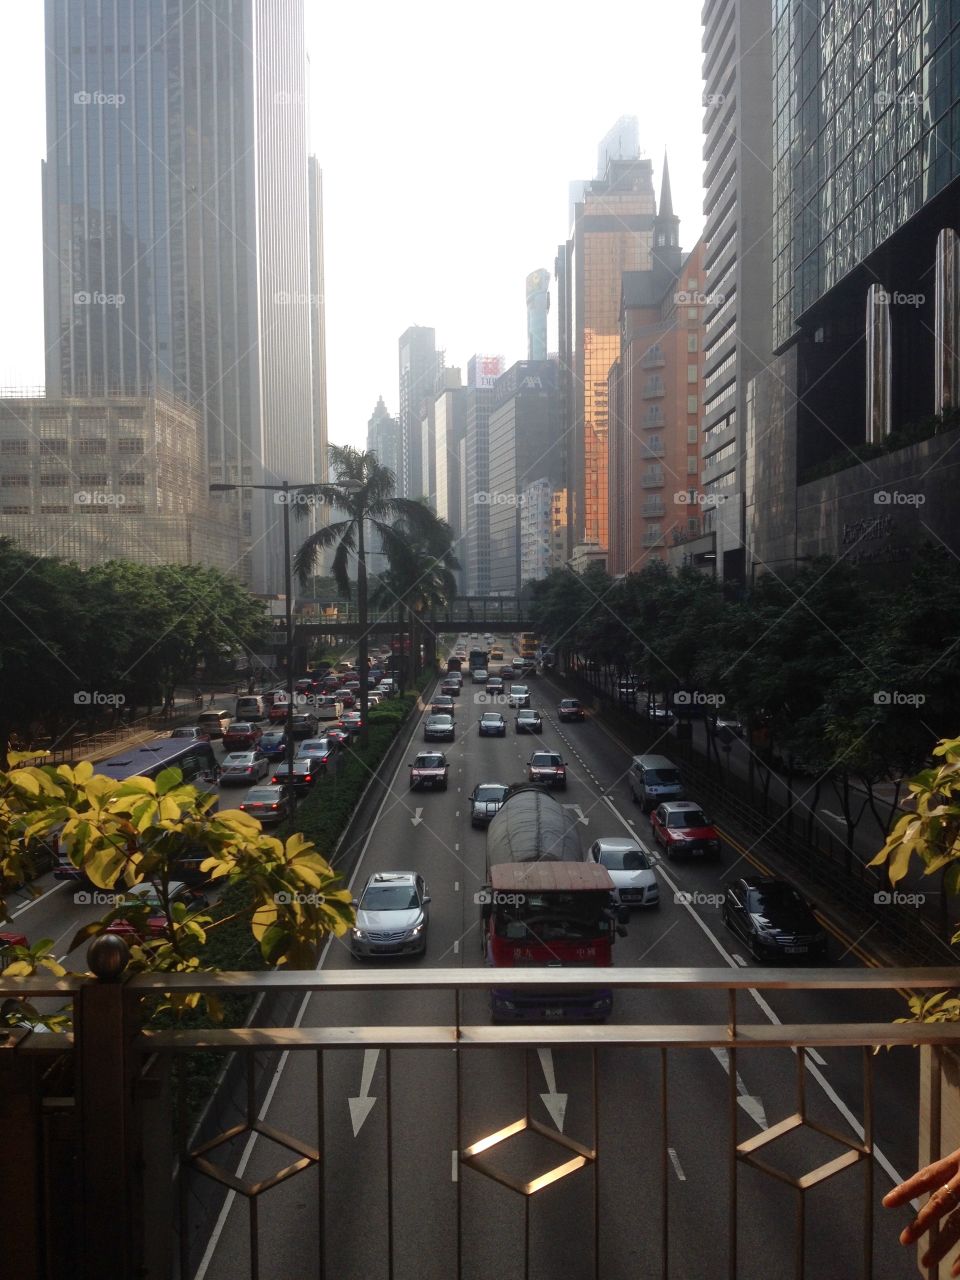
[(579, 812), (556, 1103), (416, 819), (361, 1107), (750, 1103)]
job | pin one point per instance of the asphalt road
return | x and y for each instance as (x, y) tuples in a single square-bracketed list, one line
[(392, 1185)]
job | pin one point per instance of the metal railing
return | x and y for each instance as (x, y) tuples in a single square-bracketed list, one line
[(120, 1107)]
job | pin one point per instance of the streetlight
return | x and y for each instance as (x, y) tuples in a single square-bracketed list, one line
[(283, 488)]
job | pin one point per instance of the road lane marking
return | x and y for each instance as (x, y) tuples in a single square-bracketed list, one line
[(454, 1165), (812, 1067), (363, 1104), (556, 1103), (750, 1102), (33, 901), (456, 947), (674, 1160)]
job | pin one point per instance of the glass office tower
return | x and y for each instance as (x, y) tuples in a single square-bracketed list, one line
[(177, 231)]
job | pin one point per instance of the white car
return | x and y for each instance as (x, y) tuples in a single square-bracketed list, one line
[(519, 696), (634, 880), (480, 676), (244, 766)]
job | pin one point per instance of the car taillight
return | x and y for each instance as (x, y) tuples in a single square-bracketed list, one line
[(274, 806)]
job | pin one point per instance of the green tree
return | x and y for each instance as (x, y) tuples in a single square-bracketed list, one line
[(364, 491), (420, 579)]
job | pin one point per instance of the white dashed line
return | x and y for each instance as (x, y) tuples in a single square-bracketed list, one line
[(454, 1165), (674, 1160)]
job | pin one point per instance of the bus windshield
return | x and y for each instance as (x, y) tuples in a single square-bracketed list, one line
[(552, 917)]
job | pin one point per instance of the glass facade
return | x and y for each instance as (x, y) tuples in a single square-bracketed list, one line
[(178, 253), (866, 127), (420, 366), (613, 233)]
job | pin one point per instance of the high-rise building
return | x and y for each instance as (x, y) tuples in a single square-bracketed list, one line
[(524, 446), (476, 469), (98, 478), (318, 327), (483, 371), (852, 429), (383, 437), (450, 426), (738, 159), (538, 304), (543, 541), (655, 393), (612, 233), (420, 366), (177, 232)]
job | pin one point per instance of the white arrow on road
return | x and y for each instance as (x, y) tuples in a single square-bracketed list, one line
[(361, 1107), (579, 812), (750, 1103), (416, 819), (556, 1103)]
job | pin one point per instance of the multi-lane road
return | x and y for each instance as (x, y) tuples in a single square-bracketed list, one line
[(405, 1186)]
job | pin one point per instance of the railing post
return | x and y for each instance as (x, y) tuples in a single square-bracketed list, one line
[(109, 1151)]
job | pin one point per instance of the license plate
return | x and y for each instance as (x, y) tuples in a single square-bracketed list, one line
[(796, 951), (553, 1013)]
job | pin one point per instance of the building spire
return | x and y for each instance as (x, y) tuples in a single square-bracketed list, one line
[(666, 201)]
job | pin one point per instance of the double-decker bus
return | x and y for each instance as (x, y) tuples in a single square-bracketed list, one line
[(543, 905), (527, 645)]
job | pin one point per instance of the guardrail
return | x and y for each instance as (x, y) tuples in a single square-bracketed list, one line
[(115, 1108)]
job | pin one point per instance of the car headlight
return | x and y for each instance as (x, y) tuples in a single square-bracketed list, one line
[(358, 934), (416, 930)]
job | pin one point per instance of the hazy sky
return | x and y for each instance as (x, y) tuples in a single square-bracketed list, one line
[(448, 134)]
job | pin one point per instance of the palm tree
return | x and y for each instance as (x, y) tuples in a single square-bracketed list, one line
[(420, 577), (364, 492)]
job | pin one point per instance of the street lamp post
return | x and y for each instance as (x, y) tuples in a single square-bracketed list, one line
[(283, 488)]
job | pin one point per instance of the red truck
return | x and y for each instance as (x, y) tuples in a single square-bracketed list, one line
[(544, 905)]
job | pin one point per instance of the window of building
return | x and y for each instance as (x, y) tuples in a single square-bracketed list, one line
[(18, 481), (692, 405), (692, 313), (93, 444), (55, 480), (13, 446), (17, 511), (692, 282), (132, 477), (691, 342), (97, 480), (692, 434), (691, 373), (47, 510), (55, 447), (691, 466), (693, 525), (130, 444)]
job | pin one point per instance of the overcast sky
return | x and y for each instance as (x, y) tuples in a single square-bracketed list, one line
[(448, 134)]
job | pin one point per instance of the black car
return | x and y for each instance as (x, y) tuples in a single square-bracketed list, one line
[(571, 709), (492, 725), (450, 687), (305, 774), (773, 920), (303, 725)]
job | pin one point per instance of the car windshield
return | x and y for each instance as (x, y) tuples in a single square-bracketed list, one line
[(529, 715), (440, 721), (239, 727), (269, 738), (492, 717), (518, 688), (318, 744), (624, 860), (570, 703), (487, 793), (238, 757), (389, 897), (546, 758), (429, 762), (774, 898), (261, 795), (687, 818), (663, 777)]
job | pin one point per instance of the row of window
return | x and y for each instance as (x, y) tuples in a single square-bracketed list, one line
[(60, 444), (63, 479)]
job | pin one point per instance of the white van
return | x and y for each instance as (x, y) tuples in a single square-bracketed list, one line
[(251, 707), (326, 707), (654, 779)]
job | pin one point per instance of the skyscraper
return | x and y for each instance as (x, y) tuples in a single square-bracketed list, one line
[(383, 437), (612, 233), (177, 232), (735, 296), (538, 304), (318, 327), (420, 365)]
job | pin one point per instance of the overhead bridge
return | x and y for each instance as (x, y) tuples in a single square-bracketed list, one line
[(465, 613)]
